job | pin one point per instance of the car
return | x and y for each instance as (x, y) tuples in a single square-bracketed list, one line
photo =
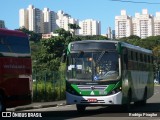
[(156, 81)]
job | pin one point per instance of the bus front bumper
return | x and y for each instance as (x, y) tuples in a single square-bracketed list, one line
[(115, 99)]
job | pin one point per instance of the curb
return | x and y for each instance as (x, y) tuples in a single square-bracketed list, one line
[(34, 107)]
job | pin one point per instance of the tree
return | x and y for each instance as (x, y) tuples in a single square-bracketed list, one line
[(74, 27), (32, 35), (63, 33), (135, 37)]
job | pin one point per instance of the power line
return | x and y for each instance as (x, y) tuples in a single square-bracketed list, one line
[(129, 1)]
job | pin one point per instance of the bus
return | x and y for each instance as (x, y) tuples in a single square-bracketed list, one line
[(15, 69), (108, 72)]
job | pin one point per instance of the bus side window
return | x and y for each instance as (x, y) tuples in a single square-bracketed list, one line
[(125, 57), (148, 59)]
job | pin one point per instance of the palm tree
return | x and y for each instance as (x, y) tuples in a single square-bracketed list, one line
[(74, 27)]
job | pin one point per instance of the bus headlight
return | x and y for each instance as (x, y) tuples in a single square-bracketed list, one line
[(115, 91)]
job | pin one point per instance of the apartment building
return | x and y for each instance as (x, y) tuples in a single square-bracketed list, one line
[(142, 24), (46, 21), (157, 24), (2, 24), (49, 21), (31, 18), (90, 27), (123, 25), (63, 19)]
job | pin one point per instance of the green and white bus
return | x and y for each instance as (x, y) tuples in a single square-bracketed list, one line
[(108, 72)]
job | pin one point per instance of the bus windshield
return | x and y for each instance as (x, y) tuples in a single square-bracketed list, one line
[(93, 66)]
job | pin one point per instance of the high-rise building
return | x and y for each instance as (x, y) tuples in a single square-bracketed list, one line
[(49, 20), (109, 33), (90, 27), (64, 19), (157, 24), (23, 18), (2, 24), (46, 21), (123, 25), (31, 18), (53, 17), (142, 25)]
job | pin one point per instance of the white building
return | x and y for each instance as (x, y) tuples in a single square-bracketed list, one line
[(157, 24), (123, 25), (142, 24), (2, 24), (90, 27), (23, 18), (46, 21), (49, 20), (64, 19), (31, 18)]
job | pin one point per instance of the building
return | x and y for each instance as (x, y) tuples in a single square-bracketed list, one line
[(2, 24), (47, 21), (23, 19), (123, 25), (31, 18), (142, 24), (157, 24), (110, 33), (64, 19), (49, 35), (90, 27)]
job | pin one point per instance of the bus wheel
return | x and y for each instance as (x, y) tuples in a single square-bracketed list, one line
[(2, 105), (127, 106), (142, 102), (80, 108), (144, 97)]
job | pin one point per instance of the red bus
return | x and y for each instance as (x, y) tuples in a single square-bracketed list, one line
[(15, 69)]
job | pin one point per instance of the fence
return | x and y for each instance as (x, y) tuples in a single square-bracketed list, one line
[(48, 86)]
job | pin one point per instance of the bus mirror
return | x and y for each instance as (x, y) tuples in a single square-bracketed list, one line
[(63, 59)]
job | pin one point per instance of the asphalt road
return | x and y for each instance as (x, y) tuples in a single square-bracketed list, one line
[(150, 111)]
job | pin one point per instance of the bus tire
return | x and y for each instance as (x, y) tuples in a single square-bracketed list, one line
[(142, 102), (127, 106), (80, 108), (2, 104)]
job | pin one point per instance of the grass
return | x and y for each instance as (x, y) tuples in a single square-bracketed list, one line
[(48, 91)]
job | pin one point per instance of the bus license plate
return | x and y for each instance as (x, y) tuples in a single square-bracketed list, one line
[(92, 100)]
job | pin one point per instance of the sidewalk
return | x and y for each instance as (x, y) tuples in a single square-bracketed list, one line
[(38, 105)]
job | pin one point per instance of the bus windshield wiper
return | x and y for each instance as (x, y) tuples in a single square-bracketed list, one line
[(101, 55)]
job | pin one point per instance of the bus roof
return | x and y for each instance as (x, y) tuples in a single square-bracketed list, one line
[(12, 32), (87, 41), (136, 48), (123, 44)]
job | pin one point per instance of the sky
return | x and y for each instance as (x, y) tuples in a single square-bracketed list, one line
[(100, 10)]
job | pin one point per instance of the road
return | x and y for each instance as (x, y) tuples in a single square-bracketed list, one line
[(69, 111)]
